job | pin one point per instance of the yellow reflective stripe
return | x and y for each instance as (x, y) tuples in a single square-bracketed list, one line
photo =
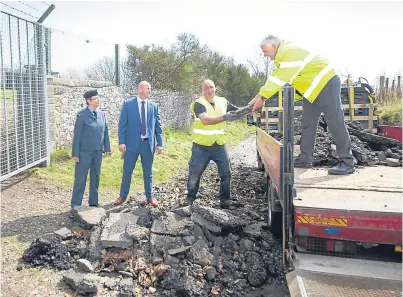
[(276, 80), (317, 80), (197, 119), (208, 132), (303, 64)]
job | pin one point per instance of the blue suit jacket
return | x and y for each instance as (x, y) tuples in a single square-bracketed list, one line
[(129, 131), (90, 133)]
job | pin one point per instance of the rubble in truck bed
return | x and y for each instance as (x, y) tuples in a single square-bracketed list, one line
[(133, 250), (368, 149)]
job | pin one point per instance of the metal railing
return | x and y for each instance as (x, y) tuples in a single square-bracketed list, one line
[(24, 126)]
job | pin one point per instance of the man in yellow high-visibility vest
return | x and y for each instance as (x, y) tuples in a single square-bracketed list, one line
[(314, 79), (210, 113)]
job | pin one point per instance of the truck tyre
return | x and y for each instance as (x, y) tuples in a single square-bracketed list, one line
[(260, 165), (274, 218)]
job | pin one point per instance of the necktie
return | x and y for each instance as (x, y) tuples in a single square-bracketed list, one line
[(143, 119), (95, 113)]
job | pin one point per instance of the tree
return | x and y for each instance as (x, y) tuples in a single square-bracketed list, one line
[(185, 64), (72, 73), (102, 70)]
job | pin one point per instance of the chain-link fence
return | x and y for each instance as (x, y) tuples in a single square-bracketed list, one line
[(23, 110)]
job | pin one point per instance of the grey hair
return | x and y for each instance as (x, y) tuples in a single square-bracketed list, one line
[(270, 39)]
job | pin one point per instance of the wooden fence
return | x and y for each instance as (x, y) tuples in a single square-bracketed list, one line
[(363, 110)]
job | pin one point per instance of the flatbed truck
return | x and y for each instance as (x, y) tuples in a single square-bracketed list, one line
[(341, 235)]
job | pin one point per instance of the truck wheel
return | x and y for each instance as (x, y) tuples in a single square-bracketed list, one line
[(260, 165), (274, 218)]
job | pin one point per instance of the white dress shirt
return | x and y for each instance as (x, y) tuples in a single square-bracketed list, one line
[(145, 109)]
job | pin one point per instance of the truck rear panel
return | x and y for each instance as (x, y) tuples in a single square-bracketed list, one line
[(365, 206)]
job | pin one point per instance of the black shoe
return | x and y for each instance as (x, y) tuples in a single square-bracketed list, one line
[(72, 212), (187, 203), (225, 204), (341, 169), (94, 205)]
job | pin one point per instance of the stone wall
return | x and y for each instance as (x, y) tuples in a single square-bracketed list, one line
[(66, 99)]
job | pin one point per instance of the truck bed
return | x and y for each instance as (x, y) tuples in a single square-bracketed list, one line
[(377, 189)]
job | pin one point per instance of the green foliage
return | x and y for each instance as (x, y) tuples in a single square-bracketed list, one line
[(184, 66), (177, 151), (391, 113), (389, 107)]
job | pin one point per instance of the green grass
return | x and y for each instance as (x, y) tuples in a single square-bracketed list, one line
[(9, 94), (177, 151), (390, 109)]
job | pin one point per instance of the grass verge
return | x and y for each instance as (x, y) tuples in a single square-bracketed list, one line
[(389, 108), (390, 113), (177, 151)]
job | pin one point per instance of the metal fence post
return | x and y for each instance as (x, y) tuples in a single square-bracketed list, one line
[(117, 65)]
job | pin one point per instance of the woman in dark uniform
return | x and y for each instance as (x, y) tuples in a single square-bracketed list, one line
[(90, 140)]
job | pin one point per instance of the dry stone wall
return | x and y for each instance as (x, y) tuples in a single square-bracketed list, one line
[(66, 99)]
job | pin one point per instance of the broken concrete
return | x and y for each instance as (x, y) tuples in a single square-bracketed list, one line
[(114, 232), (89, 217), (64, 233), (219, 217), (169, 224), (200, 220), (85, 265), (136, 232), (84, 284), (188, 251)]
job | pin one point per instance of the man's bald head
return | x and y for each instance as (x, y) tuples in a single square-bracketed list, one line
[(208, 89), (207, 82), (144, 89)]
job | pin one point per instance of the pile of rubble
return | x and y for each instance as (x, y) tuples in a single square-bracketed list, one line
[(368, 149), (133, 250)]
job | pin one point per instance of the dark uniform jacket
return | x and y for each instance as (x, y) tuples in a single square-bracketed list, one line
[(90, 132)]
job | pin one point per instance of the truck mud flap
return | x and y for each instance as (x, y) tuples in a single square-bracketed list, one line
[(324, 276)]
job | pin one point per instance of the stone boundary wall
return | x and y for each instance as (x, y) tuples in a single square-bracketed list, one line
[(66, 99)]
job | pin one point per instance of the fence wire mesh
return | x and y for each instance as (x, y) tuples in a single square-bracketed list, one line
[(23, 110)]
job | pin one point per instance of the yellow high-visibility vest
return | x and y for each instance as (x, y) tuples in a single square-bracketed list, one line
[(307, 72), (207, 135)]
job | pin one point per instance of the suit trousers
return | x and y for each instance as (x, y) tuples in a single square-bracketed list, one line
[(328, 102), (129, 163), (89, 160)]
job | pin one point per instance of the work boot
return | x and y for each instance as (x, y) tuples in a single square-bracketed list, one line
[(225, 204), (187, 202), (341, 169), (72, 212)]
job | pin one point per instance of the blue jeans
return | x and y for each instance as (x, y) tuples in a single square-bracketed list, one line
[(198, 163), (129, 163)]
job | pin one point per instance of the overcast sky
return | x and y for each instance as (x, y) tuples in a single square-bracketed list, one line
[(361, 37)]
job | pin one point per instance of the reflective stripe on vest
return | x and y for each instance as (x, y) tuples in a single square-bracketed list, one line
[(307, 72), (207, 135)]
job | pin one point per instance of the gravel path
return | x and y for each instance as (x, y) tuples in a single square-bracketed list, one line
[(31, 208)]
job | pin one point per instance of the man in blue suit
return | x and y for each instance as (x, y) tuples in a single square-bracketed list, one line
[(140, 133), (90, 140)]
